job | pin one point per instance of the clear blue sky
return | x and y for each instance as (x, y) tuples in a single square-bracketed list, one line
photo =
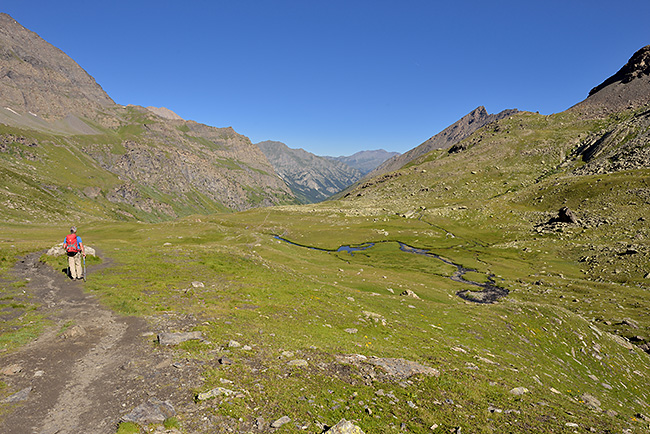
[(336, 77)]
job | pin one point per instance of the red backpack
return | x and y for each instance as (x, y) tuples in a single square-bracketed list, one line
[(72, 246)]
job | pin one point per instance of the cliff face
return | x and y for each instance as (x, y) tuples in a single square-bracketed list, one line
[(310, 177), (451, 135), (39, 78)]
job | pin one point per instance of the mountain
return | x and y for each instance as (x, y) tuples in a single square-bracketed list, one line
[(451, 135), (366, 161), (310, 177), (629, 88), (40, 81), (61, 128)]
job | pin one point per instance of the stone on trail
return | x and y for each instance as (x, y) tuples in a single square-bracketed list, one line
[(344, 427), (73, 332), (177, 338), (152, 411), (11, 369), (18, 396), (283, 420)]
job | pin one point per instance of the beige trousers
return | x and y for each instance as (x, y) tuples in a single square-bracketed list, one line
[(74, 262)]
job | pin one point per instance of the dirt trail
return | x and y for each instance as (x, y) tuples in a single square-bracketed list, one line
[(84, 382)]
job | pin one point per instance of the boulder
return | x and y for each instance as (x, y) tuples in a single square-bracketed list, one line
[(57, 250), (565, 215)]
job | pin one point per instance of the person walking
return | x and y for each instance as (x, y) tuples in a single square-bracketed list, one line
[(75, 250)]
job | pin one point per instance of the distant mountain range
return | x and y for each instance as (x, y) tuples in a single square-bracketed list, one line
[(366, 161), (310, 177)]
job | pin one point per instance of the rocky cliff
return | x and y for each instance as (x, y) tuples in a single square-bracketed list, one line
[(310, 177)]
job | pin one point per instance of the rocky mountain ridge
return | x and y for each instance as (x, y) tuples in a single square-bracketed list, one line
[(451, 135)]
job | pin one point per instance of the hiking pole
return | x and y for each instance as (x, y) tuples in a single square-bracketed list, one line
[(84, 256)]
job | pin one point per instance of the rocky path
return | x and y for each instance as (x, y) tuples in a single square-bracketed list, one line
[(86, 370)]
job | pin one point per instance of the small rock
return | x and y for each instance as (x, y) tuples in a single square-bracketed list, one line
[(246, 348), (409, 293), (152, 411), (517, 391), (177, 338), (572, 425), (11, 369), (591, 401), (18, 396), (351, 331), (217, 391), (39, 373), (287, 354), (298, 363), (283, 420), (344, 427), (197, 284), (233, 344)]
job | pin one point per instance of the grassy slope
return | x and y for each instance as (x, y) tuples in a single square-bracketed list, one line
[(554, 333)]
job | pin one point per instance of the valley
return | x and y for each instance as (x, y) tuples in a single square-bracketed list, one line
[(444, 295)]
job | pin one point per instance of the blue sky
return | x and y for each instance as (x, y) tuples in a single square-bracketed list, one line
[(336, 77)]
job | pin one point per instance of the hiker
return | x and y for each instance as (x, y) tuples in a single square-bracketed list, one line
[(74, 248)]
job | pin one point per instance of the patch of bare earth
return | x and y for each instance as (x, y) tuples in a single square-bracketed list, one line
[(89, 368)]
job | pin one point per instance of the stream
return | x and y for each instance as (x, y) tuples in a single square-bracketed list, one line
[(490, 292)]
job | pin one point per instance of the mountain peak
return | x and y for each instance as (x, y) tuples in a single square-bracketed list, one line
[(629, 88), (39, 78), (637, 67), (164, 113)]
